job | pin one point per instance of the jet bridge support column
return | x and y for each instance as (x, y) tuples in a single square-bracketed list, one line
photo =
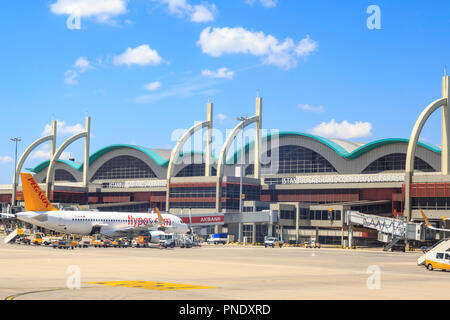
[(350, 234)]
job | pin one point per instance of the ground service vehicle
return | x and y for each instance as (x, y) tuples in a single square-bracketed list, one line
[(85, 242), (49, 240), (438, 260), (37, 238), (62, 244), (167, 240), (399, 247), (272, 242), (186, 241), (218, 238), (120, 243), (141, 241), (312, 244)]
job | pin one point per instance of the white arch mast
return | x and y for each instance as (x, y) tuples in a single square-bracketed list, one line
[(445, 150)]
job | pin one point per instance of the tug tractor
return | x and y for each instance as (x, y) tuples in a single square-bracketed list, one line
[(37, 240), (142, 241)]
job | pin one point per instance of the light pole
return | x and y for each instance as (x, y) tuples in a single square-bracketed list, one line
[(16, 140), (242, 119)]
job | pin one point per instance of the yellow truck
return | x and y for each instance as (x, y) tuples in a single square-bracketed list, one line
[(36, 239), (140, 241), (438, 260)]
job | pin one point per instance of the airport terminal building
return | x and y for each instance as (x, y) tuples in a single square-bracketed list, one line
[(312, 176), (299, 187)]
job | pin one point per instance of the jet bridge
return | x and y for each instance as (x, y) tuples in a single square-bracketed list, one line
[(390, 230)]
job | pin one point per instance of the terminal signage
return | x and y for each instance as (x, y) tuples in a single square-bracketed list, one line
[(350, 178), (135, 184), (204, 220)]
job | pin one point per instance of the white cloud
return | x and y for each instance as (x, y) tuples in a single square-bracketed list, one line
[(63, 130), (222, 117), (142, 55), (101, 10), (306, 46), (223, 73), (203, 13), (264, 3), (152, 86), (5, 159), (343, 130), (80, 66), (190, 88), (308, 107), (197, 13), (218, 41), (44, 154)]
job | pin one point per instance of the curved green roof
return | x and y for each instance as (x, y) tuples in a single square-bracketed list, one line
[(43, 165), (159, 160), (336, 147)]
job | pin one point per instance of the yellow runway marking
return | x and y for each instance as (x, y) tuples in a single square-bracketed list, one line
[(151, 285)]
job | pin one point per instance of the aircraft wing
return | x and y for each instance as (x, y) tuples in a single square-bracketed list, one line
[(134, 230), (42, 217), (7, 215)]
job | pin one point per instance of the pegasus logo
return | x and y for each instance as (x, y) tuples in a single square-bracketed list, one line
[(146, 221), (39, 192)]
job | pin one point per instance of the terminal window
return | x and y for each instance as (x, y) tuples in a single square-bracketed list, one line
[(124, 167), (396, 162), (295, 159), (195, 170)]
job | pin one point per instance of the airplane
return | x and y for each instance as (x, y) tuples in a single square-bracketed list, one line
[(429, 226), (40, 212)]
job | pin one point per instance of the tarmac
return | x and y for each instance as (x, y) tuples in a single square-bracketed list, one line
[(215, 272)]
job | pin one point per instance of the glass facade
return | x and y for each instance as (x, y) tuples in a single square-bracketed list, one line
[(431, 203), (231, 192), (193, 192), (192, 196), (295, 159), (397, 162), (324, 215), (193, 205), (62, 175), (195, 170), (124, 167), (286, 214)]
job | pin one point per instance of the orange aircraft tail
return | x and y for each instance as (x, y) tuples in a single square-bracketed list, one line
[(160, 218), (424, 218), (35, 199)]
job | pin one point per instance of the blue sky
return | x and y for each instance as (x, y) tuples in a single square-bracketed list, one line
[(143, 69)]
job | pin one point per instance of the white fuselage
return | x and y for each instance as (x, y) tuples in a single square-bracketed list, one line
[(107, 223)]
